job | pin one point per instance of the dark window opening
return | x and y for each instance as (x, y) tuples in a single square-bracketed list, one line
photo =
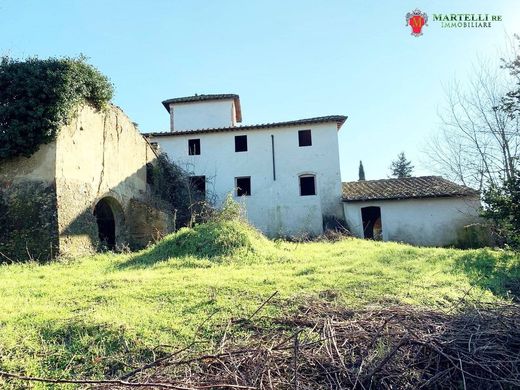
[(241, 143), (198, 186), (193, 147), (372, 227), (106, 224), (304, 138), (307, 185), (243, 186)]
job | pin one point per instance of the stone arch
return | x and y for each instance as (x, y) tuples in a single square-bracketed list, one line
[(110, 222)]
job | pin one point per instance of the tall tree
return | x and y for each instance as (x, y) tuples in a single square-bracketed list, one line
[(479, 140), (401, 167), (361, 171), (502, 200)]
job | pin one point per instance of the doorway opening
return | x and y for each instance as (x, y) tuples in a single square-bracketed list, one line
[(372, 227), (106, 223)]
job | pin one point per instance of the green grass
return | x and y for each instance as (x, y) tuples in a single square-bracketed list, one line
[(95, 316)]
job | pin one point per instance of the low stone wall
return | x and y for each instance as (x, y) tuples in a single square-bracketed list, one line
[(146, 224)]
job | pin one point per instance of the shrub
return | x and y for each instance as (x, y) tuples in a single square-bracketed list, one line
[(502, 208), (225, 234), (171, 184), (37, 97)]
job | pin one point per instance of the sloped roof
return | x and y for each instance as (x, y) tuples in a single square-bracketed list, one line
[(203, 98), (339, 119), (406, 188)]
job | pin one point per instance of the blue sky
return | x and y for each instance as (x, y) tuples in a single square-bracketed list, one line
[(286, 59)]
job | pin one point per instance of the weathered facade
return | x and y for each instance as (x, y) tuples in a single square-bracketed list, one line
[(287, 174), (84, 188), (428, 210)]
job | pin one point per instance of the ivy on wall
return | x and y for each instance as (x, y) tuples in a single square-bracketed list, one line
[(38, 96)]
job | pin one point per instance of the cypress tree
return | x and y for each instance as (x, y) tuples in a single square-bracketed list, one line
[(361, 171)]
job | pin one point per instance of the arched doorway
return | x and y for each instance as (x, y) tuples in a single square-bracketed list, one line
[(106, 222)]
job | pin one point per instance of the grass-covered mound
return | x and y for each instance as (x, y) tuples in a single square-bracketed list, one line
[(214, 239), (226, 234)]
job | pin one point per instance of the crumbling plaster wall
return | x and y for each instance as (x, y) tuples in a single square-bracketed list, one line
[(99, 154)]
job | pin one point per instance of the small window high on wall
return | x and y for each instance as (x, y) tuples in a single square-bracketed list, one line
[(241, 143), (194, 147), (304, 138), (307, 185)]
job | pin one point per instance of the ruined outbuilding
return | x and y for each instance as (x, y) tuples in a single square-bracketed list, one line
[(87, 189)]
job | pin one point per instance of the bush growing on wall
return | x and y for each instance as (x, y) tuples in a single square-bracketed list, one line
[(37, 97), (172, 185)]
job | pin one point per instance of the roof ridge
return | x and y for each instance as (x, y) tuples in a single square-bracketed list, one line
[(340, 119), (404, 188), (395, 179)]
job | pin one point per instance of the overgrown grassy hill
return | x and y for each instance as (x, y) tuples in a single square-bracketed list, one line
[(99, 316)]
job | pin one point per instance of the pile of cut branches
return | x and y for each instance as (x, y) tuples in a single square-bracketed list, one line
[(328, 347)]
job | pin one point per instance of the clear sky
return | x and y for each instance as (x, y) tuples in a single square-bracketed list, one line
[(286, 59)]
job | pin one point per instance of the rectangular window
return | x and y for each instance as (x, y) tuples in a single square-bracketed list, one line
[(304, 138), (241, 143), (194, 147), (243, 186), (198, 186), (307, 185)]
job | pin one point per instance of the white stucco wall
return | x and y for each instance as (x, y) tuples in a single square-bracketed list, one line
[(202, 115), (429, 222), (275, 206)]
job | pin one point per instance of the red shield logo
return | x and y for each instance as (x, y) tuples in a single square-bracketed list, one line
[(416, 20)]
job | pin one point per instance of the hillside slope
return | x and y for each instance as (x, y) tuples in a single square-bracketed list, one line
[(101, 315)]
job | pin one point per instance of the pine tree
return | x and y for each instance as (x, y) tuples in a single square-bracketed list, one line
[(361, 171), (401, 167)]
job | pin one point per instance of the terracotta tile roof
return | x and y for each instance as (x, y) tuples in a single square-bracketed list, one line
[(203, 98), (406, 188), (339, 119)]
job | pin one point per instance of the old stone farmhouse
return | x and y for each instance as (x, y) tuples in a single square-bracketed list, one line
[(87, 187), (287, 174)]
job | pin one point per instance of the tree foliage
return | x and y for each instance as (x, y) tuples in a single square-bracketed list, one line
[(511, 102), (361, 171), (502, 206), (502, 199), (479, 137), (38, 96), (401, 167)]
